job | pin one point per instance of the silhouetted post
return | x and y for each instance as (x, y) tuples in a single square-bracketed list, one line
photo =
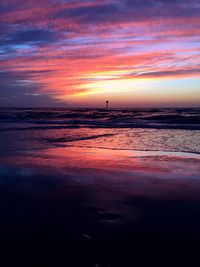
[(107, 104)]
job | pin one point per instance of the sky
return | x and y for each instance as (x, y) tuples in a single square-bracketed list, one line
[(71, 53)]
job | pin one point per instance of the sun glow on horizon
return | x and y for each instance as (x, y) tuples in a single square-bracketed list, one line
[(104, 83), (136, 92)]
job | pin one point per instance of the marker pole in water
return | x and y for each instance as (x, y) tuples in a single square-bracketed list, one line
[(107, 104)]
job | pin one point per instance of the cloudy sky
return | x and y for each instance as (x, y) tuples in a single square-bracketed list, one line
[(135, 53)]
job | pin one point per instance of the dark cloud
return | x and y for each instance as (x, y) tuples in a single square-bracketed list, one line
[(33, 36), (120, 11), (90, 13), (30, 100), (168, 73), (15, 84), (18, 90)]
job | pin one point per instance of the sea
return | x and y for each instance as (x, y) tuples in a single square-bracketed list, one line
[(165, 129)]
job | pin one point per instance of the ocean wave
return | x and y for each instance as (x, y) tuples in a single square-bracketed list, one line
[(158, 126), (23, 119), (71, 139)]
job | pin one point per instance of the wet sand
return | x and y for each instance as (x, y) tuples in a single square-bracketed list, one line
[(73, 206)]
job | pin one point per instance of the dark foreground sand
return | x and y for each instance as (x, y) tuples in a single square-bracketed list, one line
[(98, 207)]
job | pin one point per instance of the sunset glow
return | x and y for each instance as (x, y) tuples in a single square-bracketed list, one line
[(79, 53)]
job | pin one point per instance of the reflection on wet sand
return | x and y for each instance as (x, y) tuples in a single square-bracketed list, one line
[(90, 199)]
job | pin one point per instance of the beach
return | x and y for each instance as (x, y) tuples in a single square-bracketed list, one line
[(97, 196)]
